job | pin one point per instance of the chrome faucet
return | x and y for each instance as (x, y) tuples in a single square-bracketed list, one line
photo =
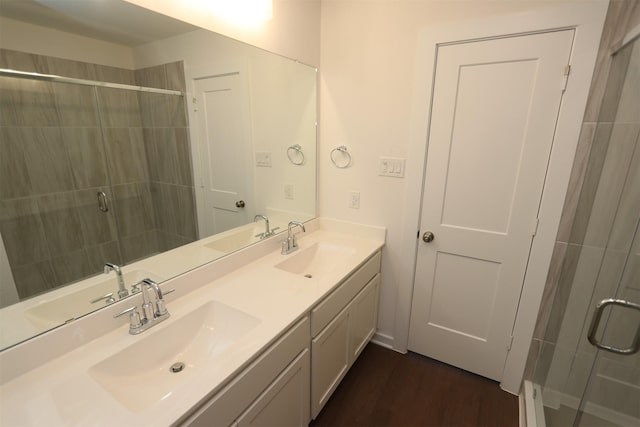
[(268, 232), (122, 291), (151, 315), (289, 244)]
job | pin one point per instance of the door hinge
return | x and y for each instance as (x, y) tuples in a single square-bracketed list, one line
[(565, 79), (194, 101), (418, 235), (510, 343), (534, 229)]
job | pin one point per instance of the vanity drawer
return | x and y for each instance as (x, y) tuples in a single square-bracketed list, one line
[(225, 406), (329, 308)]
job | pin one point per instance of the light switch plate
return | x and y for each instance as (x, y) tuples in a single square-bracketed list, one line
[(354, 200), (288, 191), (263, 159), (392, 166)]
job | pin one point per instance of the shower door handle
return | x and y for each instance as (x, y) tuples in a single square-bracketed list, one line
[(102, 201), (595, 322)]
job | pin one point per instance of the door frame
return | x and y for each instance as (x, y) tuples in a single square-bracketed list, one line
[(587, 19), (209, 70)]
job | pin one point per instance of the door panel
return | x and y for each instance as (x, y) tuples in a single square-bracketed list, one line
[(225, 147), (495, 108)]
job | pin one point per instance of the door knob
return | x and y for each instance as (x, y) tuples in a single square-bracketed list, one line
[(428, 237), (240, 204)]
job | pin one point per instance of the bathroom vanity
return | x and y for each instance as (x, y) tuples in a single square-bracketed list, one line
[(254, 338)]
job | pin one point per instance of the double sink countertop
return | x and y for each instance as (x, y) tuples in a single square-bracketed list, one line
[(222, 316)]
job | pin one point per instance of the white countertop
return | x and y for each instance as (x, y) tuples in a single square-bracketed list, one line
[(61, 391)]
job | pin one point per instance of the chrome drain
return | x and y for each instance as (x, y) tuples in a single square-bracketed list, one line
[(308, 276), (177, 367)]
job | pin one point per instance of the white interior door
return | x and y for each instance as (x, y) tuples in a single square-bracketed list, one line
[(225, 148), (495, 107)]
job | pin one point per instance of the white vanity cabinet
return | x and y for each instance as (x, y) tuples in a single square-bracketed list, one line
[(273, 390), (341, 325)]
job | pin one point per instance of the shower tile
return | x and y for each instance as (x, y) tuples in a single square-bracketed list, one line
[(101, 254), (152, 77), (626, 218), (132, 202), (629, 107), (162, 111), (575, 182), (48, 161), (119, 108), (550, 289), (34, 279), (61, 222), (175, 76), (591, 181), (14, 175), (126, 155), (70, 68), (560, 300), (614, 86), (22, 232), (76, 105), (115, 75), (183, 157), (162, 154), (151, 153), (87, 156), (71, 267), (138, 246), (532, 358), (186, 212), (23, 61), (611, 183), (97, 227), (27, 103), (579, 374)]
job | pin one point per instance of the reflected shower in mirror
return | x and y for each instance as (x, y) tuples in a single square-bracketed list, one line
[(154, 153)]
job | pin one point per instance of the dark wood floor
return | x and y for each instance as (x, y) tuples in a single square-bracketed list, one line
[(386, 388)]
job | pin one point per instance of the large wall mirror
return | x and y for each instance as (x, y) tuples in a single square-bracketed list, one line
[(137, 142)]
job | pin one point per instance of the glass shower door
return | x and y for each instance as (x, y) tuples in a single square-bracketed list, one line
[(612, 393)]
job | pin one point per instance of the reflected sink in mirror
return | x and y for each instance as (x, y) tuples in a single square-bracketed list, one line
[(234, 241), (316, 260), (50, 313), (140, 375)]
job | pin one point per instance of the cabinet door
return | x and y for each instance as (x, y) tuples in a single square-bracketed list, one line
[(286, 401), (364, 317), (330, 360)]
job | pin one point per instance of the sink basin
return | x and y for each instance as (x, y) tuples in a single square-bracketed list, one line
[(72, 305), (140, 375), (316, 260), (234, 241)]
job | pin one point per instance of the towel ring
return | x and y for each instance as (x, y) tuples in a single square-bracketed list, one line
[(345, 153), (295, 154)]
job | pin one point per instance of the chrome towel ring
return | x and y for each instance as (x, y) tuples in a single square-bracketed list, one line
[(346, 157), (295, 154)]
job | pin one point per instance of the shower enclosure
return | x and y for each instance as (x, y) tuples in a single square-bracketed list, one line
[(588, 368), (90, 172)]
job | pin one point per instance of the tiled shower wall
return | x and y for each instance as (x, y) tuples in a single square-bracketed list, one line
[(53, 162), (587, 219)]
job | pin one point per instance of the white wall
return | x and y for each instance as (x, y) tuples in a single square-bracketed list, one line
[(16, 35), (294, 30), (369, 89)]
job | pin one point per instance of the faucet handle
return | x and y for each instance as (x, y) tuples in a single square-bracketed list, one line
[(108, 299), (134, 317)]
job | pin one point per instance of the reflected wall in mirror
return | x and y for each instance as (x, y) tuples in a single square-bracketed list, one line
[(157, 182)]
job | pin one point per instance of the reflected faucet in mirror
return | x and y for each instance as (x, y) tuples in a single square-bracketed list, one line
[(122, 290), (267, 232)]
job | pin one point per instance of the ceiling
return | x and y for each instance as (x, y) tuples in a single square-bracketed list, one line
[(113, 21)]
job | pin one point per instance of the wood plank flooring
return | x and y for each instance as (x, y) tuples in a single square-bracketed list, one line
[(386, 388)]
